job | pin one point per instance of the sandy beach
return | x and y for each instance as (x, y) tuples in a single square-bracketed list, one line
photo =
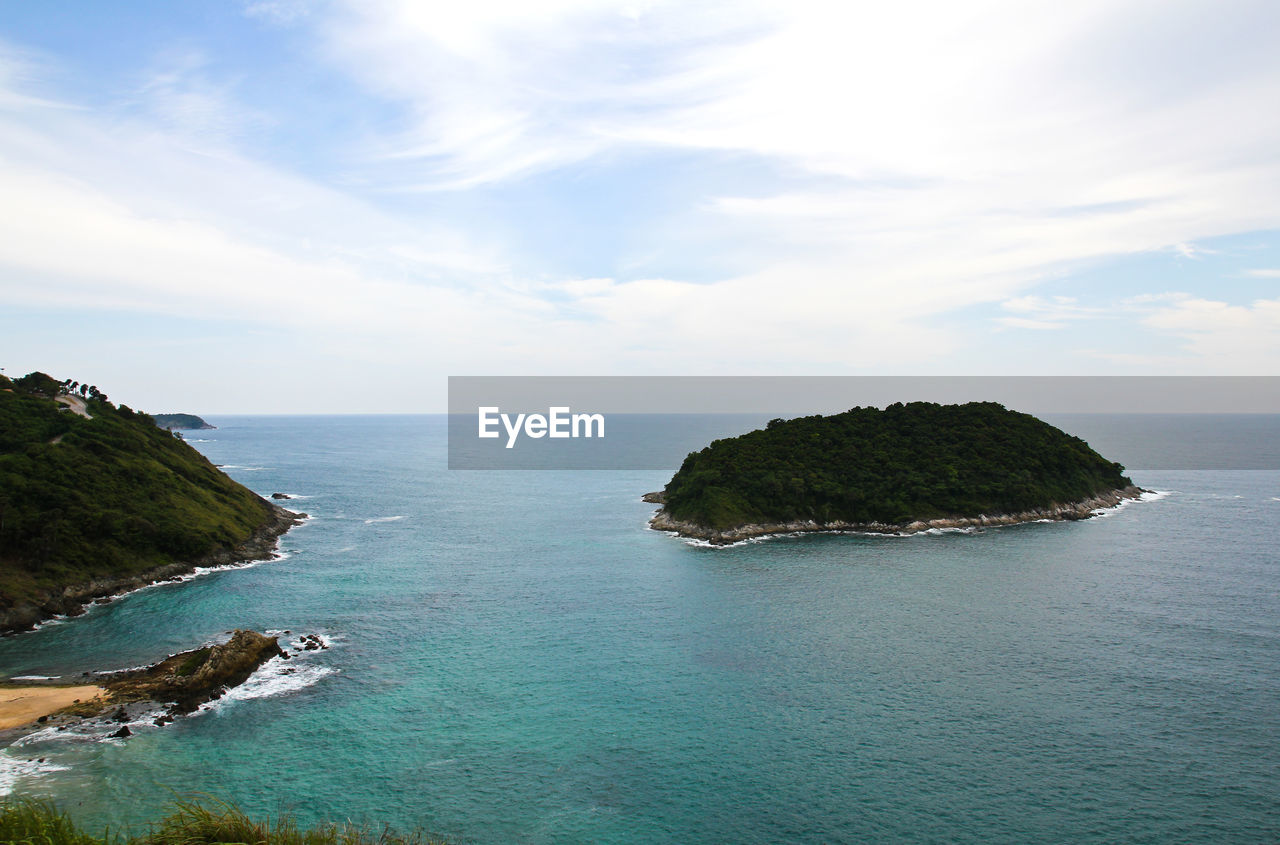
[(23, 705)]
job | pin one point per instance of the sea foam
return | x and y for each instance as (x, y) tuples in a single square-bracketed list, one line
[(14, 769)]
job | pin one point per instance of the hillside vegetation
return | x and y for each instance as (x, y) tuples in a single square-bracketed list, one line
[(917, 461), (107, 495), (191, 823)]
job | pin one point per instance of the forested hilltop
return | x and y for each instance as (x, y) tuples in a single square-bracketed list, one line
[(95, 499), (905, 464)]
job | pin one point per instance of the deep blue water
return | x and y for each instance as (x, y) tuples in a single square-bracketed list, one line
[(517, 658)]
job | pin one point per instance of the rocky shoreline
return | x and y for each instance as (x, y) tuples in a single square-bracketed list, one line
[(183, 681), (1082, 509), (71, 599)]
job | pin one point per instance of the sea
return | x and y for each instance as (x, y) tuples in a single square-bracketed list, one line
[(514, 656)]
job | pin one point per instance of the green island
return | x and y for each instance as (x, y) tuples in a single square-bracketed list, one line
[(909, 467), (181, 422), (97, 500)]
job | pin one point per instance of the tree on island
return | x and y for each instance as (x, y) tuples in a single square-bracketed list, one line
[(909, 462)]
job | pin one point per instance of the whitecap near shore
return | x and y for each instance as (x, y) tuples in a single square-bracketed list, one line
[(275, 677), (1147, 496), (13, 770), (279, 675)]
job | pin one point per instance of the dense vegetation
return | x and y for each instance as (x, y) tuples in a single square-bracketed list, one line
[(182, 422), (917, 461), (83, 498), (39, 823)]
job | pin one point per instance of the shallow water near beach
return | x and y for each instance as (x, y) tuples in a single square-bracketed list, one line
[(515, 657)]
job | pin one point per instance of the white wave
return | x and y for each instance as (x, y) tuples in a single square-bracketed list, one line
[(242, 467), (197, 572), (33, 678), (327, 640), (699, 543), (46, 623), (86, 731), (1144, 497), (201, 439), (1275, 498), (128, 668), (207, 570), (275, 677), (14, 769), (383, 519)]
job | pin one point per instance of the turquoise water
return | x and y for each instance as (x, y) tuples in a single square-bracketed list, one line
[(516, 658)]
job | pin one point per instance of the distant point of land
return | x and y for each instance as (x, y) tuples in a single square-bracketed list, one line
[(181, 422)]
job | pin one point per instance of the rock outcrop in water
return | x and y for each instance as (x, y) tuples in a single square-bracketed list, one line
[(191, 678)]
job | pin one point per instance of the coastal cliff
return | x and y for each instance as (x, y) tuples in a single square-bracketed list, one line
[(903, 469), (96, 500)]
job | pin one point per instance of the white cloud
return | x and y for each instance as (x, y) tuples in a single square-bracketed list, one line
[(279, 11), (1224, 338), (1040, 312), (924, 157), (964, 152), (1264, 273), (1029, 323), (1192, 251)]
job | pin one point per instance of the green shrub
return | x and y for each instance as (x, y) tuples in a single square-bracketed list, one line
[(27, 822), (192, 663)]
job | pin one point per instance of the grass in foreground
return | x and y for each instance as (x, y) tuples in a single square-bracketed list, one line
[(28, 822)]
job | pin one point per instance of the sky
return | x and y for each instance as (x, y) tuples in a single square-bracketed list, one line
[(274, 206)]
